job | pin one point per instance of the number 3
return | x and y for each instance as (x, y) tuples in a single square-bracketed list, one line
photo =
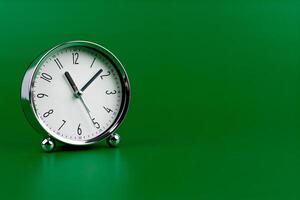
[(109, 93)]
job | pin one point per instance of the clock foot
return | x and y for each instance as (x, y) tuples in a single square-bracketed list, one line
[(47, 144), (113, 140)]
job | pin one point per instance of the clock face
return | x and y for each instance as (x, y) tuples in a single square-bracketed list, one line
[(77, 93)]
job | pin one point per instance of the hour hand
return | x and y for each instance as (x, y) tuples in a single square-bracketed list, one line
[(72, 84), (91, 80), (78, 93)]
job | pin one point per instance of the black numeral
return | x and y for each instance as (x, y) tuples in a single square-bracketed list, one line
[(46, 114), (64, 121), (108, 73), (108, 110), (46, 77), (41, 95), (79, 131), (97, 125), (109, 93), (93, 61), (58, 63), (75, 58)]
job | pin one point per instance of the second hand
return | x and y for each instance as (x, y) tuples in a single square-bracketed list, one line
[(77, 94)]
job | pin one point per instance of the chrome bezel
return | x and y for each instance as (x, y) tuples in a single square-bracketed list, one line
[(27, 84)]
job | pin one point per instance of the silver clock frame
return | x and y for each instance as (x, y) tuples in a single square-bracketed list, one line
[(50, 136)]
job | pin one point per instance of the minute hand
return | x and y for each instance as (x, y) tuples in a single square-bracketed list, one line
[(91, 80)]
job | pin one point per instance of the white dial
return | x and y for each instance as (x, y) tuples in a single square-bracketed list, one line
[(77, 93)]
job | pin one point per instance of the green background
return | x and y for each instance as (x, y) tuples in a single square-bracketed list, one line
[(215, 100)]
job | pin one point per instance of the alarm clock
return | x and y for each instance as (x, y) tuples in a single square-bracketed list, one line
[(76, 93)]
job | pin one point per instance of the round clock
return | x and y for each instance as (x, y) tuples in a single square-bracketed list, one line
[(76, 93)]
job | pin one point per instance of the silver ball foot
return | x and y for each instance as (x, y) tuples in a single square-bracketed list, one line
[(113, 140), (47, 144)]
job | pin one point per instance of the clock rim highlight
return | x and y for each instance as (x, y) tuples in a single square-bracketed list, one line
[(38, 124)]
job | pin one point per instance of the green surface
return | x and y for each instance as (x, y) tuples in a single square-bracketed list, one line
[(215, 100)]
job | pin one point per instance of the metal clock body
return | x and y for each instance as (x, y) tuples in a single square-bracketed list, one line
[(76, 93)]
